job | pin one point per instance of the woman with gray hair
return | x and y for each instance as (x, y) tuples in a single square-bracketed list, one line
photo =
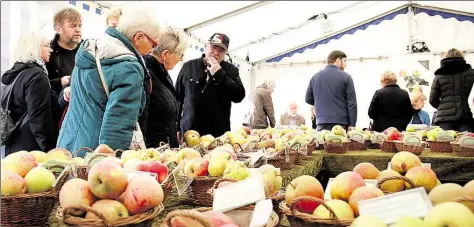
[(262, 114), (162, 122), (107, 98)]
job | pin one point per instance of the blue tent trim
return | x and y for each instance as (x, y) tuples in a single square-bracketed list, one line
[(340, 35), (444, 15)]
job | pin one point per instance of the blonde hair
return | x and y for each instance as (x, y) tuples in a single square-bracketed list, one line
[(113, 13), (66, 14), (417, 99), (139, 18), (388, 77), (174, 41), (28, 47), (454, 53)]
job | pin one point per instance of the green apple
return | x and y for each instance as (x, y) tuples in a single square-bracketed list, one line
[(272, 180), (409, 222), (338, 130), (39, 180), (449, 214), (368, 221), (218, 163), (453, 133), (236, 170), (411, 129), (39, 156)]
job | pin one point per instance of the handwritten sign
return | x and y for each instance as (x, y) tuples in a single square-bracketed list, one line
[(467, 142), (327, 193), (445, 137), (262, 212), (243, 193), (390, 208), (132, 173), (389, 165)]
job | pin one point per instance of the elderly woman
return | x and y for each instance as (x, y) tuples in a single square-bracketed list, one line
[(29, 102), (390, 106), (419, 116), (262, 114), (450, 91), (164, 107), (108, 114)]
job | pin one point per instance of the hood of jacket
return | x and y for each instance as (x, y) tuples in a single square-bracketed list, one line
[(112, 48), (10, 75), (452, 65)]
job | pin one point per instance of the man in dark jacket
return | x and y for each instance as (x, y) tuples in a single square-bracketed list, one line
[(332, 93), (450, 91), (207, 87)]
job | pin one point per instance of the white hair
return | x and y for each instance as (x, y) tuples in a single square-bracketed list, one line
[(139, 18), (28, 47), (172, 40), (269, 84)]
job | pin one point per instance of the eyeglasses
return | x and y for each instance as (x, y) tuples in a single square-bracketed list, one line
[(153, 43)]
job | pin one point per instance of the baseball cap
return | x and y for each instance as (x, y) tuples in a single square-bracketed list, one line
[(220, 39)]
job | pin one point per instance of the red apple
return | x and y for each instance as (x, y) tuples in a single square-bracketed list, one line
[(142, 193), (136, 164), (304, 186), (107, 180), (246, 129), (196, 167), (103, 148), (160, 169)]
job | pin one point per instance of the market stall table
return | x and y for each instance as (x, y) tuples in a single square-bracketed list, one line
[(311, 165)]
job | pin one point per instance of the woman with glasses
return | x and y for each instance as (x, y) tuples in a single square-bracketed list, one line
[(108, 114), (162, 123)]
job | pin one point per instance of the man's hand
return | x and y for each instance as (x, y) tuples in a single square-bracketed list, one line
[(65, 80), (67, 94), (214, 65)]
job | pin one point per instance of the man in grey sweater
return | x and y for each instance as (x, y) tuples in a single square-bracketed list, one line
[(332, 93)]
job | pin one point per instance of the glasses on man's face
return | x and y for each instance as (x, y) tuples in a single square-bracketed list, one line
[(153, 43)]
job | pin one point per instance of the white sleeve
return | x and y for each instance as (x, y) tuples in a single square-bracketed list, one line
[(470, 101)]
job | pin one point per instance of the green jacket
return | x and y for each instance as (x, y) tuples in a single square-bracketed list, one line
[(92, 118)]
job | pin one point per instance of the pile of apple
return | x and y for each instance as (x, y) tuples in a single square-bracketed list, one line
[(392, 134), (22, 172), (112, 192)]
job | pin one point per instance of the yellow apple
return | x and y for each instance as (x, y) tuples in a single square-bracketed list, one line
[(449, 214)]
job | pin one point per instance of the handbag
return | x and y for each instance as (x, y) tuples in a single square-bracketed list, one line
[(137, 142)]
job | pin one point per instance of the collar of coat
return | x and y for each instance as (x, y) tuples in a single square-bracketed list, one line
[(55, 45), (452, 66)]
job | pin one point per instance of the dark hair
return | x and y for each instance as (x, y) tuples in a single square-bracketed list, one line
[(334, 55)]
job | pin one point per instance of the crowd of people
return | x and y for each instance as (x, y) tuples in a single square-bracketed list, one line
[(116, 89)]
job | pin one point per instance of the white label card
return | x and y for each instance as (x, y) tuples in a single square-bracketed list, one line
[(181, 181), (413, 140), (389, 165), (445, 136), (467, 142), (390, 208), (357, 137), (254, 157), (262, 212), (243, 193), (327, 192)]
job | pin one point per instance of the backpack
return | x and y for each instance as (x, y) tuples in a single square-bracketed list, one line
[(7, 126)]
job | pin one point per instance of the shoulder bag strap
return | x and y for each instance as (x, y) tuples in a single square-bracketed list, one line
[(101, 74)]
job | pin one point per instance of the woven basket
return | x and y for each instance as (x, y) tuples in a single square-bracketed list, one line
[(389, 146), (336, 147), (197, 191), (356, 146), (462, 151), (33, 209), (383, 180), (417, 150), (280, 161), (298, 219), (440, 146), (312, 146), (144, 219), (82, 171), (301, 149)]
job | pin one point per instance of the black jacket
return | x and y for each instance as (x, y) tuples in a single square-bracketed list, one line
[(162, 124), (205, 105), (31, 95), (390, 107), (450, 90)]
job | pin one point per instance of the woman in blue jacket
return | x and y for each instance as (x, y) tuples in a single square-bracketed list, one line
[(419, 116)]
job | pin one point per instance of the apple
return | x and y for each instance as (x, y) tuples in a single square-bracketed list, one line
[(76, 192), (20, 163), (12, 183), (236, 138), (104, 148), (368, 220), (187, 153), (206, 140), (469, 191), (445, 192), (39, 156), (191, 138), (394, 135), (111, 210), (404, 161), (411, 129), (218, 162), (391, 185), (160, 169), (423, 177), (59, 154), (150, 155), (168, 156), (246, 129), (217, 218), (416, 73), (272, 180), (409, 221), (142, 194), (338, 130), (304, 186), (342, 210), (39, 180), (236, 170), (367, 170), (183, 221), (80, 161), (136, 164), (107, 180), (344, 184), (449, 214), (196, 168), (226, 148), (129, 154), (363, 193)]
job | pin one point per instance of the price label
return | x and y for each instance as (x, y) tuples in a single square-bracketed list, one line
[(413, 140), (181, 181), (262, 212), (243, 193), (444, 137), (467, 142), (357, 137), (390, 208), (254, 157)]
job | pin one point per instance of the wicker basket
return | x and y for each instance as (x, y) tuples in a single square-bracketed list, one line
[(33, 209), (440, 146), (144, 219), (312, 146), (462, 151), (197, 191), (407, 181), (82, 171), (417, 150), (336, 147), (356, 146), (298, 219), (301, 149), (389, 146)]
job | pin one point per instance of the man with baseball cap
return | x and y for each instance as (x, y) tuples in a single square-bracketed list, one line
[(206, 88)]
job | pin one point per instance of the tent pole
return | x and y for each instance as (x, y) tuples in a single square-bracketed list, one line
[(410, 20), (227, 15)]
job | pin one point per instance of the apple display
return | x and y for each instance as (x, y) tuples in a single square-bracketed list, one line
[(191, 138), (160, 169)]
